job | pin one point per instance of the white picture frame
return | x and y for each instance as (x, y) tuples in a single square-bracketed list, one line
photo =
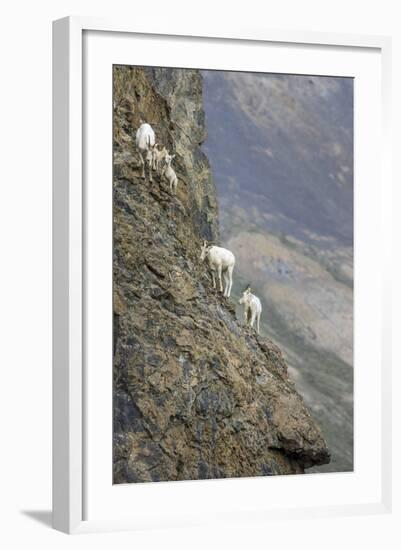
[(70, 253)]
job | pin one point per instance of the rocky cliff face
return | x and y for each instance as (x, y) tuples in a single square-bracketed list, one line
[(196, 395)]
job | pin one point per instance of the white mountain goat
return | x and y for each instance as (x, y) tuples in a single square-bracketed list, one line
[(158, 157), (221, 261), (169, 174), (145, 142), (252, 308)]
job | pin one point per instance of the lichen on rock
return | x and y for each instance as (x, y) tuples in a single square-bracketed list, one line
[(195, 394)]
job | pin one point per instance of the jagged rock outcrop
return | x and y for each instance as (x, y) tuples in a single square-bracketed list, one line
[(196, 395)]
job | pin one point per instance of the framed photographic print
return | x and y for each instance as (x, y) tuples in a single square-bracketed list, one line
[(219, 324)]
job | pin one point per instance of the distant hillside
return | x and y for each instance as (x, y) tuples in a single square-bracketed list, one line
[(281, 152), (288, 142)]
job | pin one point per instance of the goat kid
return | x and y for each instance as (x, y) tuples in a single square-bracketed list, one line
[(145, 143), (169, 174), (221, 262), (252, 308), (158, 157)]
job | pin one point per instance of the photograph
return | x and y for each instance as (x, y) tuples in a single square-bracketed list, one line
[(201, 275), (233, 260)]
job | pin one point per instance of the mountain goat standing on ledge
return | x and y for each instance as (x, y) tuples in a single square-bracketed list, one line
[(169, 174), (220, 261), (158, 157), (145, 142), (252, 308)]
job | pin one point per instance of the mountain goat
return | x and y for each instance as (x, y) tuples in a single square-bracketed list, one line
[(169, 174), (221, 261), (145, 143), (252, 308), (158, 157)]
